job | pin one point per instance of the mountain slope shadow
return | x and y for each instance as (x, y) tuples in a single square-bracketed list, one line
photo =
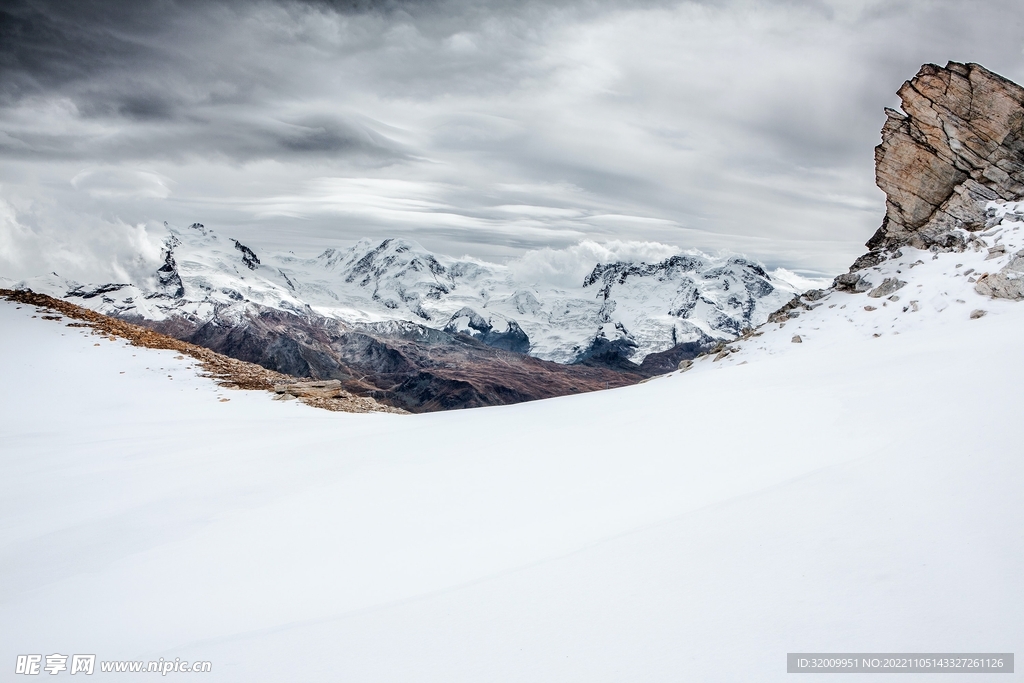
[(399, 363)]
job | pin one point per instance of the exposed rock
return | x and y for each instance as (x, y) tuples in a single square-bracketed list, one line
[(609, 353), (328, 389), (868, 260), (814, 294), (978, 313), (684, 352), (249, 257), (499, 332), (167, 274), (889, 285), (797, 339), (851, 282), (957, 145), (793, 308), (89, 293), (684, 365), (1008, 283)]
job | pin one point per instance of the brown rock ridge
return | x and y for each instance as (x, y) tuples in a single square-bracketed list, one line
[(229, 372)]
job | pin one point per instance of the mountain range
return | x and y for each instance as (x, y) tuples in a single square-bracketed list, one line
[(423, 331)]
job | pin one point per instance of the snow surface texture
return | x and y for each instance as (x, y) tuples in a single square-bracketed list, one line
[(851, 492), (681, 297)]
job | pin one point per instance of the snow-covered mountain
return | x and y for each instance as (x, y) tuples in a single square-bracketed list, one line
[(636, 308)]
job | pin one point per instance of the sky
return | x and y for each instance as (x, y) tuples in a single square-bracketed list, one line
[(482, 129)]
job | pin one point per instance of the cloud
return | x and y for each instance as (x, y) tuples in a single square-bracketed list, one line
[(488, 128), (567, 267), (120, 183), (90, 250)]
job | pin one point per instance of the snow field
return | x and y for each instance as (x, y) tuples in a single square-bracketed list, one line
[(850, 493)]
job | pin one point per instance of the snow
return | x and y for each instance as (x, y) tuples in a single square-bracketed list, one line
[(398, 280), (850, 493)]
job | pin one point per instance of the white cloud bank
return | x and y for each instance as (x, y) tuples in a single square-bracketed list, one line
[(84, 248)]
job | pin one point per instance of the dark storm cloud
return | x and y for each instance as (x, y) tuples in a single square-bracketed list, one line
[(45, 45), (149, 80)]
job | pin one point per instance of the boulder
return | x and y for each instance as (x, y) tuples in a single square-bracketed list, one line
[(326, 389), (889, 285), (1008, 283), (851, 282)]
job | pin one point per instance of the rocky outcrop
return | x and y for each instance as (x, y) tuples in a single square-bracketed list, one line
[(1008, 283), (614, 353), (328, 389), (675, 358), (499, 332), (170, 284), (890, 285), (249, 257), (947, 163), (958, 144)]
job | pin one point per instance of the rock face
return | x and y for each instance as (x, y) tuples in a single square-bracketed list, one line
[(499, 331), (947, 163), (957, 145)]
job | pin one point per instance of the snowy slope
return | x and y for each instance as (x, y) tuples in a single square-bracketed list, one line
[(936, 292), (851, 492), (649, 307)]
